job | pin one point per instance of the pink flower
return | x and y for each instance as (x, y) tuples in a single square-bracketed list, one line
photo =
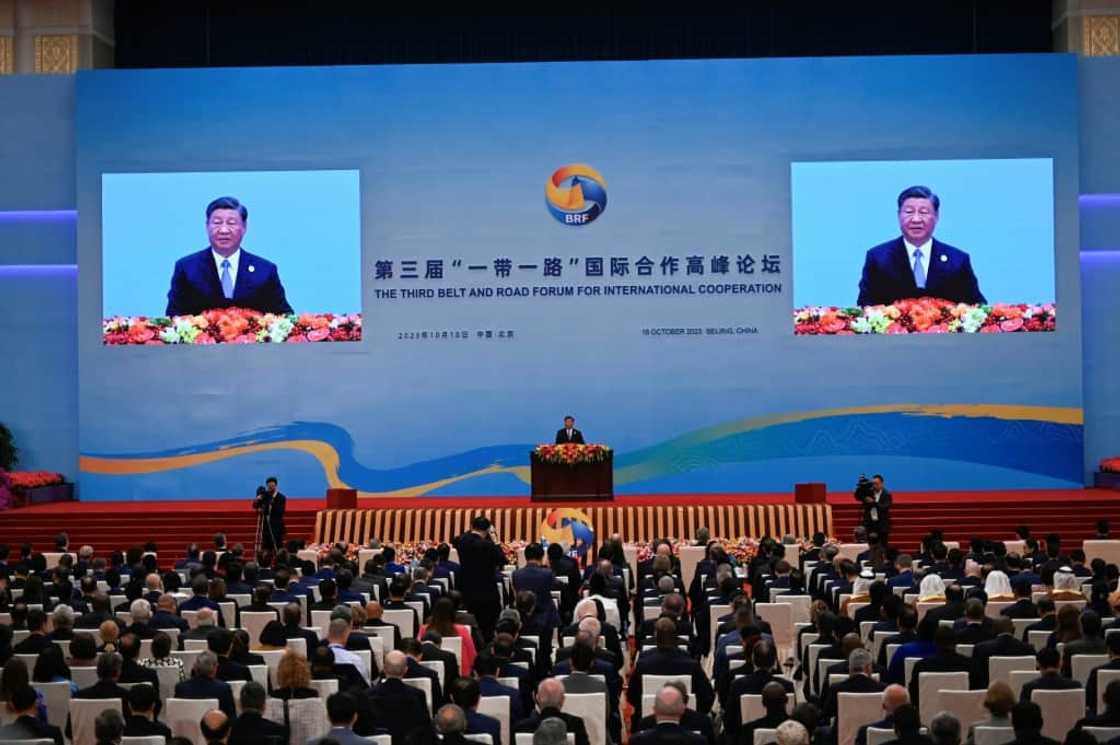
[(1012, 324), (318, 334)]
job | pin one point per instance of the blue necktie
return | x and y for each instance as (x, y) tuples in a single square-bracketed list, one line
[(919, 273), (227, 280)]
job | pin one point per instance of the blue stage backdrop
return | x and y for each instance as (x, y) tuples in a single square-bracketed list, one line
[(608, 240)]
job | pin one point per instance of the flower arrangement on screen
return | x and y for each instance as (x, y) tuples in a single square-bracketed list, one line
[(34, 479), (924, 316), (233, 326), (571, 453)]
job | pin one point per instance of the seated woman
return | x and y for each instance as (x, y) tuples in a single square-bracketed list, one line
[(998, 586), (443, 621), (14, 677), (931, 590), (293, 678), (50, 667), (161, 655), (273, 637)]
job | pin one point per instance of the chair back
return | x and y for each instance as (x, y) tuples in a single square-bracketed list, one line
[(325, 687), (1103, 734), (1037, 639), (424, 684), (151, 740), (1060, 710), (592, 709), (403, 619), (1082, 664), (879, 735), (191, 617), (855, 710), (195, 645), (308, 717), (168, 678), (1019, 678), (657, 682), (183, 716), (1104, 677), (57, 698), (993, 735), (299, 646), (966, 706), (800, 605), (454, 645), (497, 707), (483, 737), (780, 618), (388, 739), (929, 703), (526, 738), (83, 713), (235, 687), (272, 659), (254, 622), (999, 668), (321, 619), (765, 736), (84, 677), (259, 674)]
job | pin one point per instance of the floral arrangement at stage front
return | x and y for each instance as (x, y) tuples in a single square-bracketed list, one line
[(1112, 465), (571, 454), (406, 553), (35, 479), (232, 326), (924, 316)]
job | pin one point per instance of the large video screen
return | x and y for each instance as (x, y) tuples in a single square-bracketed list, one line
[(231, 257), (923, 247)]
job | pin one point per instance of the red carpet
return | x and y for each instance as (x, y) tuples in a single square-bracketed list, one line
[(112, 525)]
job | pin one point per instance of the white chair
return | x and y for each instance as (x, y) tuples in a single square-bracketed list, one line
[(385, 634), (188, 658), (592, 708), (83, 712), (966, 706), (879, 736), (254, 622), (1082, 664), (195, 645), (1104, 677), (388, 739), (715, 612), (1060, 710), (424, 684), (1103, 734), (57, 698), (183, 715), (235, 687), (657, 682), (965, 650), (403, 620), (855, 710), (800, 605), (928, 686), (34, 742), (259, 673), (299, 646), (908, 667), (191, 617), (1037, 639), (1021, 625), (994, 608), (168, 678), (436, 665), (153, 740), (482, 737), (325, 687), (780, 618), (321, 619), (497, 707), (84, 677), (272, 659), (993, 735), (751, 708), (454, 645), (524, 738), (999, 668), (308, 717), (1019, 678), (764, 736), (649, 698)]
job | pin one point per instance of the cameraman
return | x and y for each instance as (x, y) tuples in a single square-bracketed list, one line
[(876, 501), (481, 561)]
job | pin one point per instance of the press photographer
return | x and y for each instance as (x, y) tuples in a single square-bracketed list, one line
[(876, 501)]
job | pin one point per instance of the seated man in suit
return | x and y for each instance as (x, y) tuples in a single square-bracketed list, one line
[(916, 264), (1113, 643), (223, 275), (251, 728), (24, 722), (894, 696), (1003, 645), (465, 693), (415, 654), (202, 684), (539, 580), (945, 659), (763, 671), (774, 701), (667, 659), (859, 681), (975, 627), (550, 699), (1049, 675), (668, 708), (108, 673), (691, 720), (38, 639), (905, 577), (1023, 607), (342, 710), (200, 587), (142, 721), (568, 433), (486, 669), (392, 704), (578, 679)]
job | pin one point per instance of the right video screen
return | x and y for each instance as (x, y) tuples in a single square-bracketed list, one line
[(923, 247)]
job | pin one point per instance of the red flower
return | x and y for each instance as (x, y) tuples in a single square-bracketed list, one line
[(1011, 324), (318, 334)]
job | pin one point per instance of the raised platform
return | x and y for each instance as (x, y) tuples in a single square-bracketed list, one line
[(995, 514)]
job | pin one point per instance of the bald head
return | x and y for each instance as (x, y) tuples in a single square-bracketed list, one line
[(550, 694), (206, 617), (893, 697), (374, 610), (591, 626), (167, 602), (215, 726), (450, 719), (669, 705), (396, 664), (153, 582)]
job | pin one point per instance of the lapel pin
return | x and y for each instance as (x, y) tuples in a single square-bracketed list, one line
[(253, 268), (943, 258)]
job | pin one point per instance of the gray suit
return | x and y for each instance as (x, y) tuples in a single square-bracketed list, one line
[(343, 736)]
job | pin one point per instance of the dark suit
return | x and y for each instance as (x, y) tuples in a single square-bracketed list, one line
[(229, 670), (432, 653), (1050, 682), (692, 721), (888, 275), (882, 523), (481, 560), (1022, 608), (1004, 645), (480, 724), (751, 683), (574, 724), (670, 662), (30, 728), (196, 285), (251, 728), (941, 662), (539, 580), (854, 684), (394, 705), (197, 688), (1091, 687), (140, 726), (33, 644), (563, 438), (667, 733), (745, 736)]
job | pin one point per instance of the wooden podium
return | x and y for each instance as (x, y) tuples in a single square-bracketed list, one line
[(559, 482)]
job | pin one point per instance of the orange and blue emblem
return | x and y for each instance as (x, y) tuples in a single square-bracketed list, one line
[(576, 194)]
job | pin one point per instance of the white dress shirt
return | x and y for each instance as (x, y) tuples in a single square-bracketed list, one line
[(926, 248), (234, 258), (343, 656), (874, 513)]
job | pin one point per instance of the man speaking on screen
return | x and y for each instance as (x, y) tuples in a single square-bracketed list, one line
[(916, 264), (224, 275)]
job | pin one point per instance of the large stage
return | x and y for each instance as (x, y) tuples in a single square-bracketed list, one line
[(995, 514)]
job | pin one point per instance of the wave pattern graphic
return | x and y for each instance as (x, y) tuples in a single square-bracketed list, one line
[(1046, 441)]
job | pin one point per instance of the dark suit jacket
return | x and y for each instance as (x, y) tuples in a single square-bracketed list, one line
[(1047, 683), (888, 275), (1004, 645), (206, 688), (230, 670), (1091, 686), (30, 728), (745, 736), (394, 705), (416, 670), (480, 724), (33, 644), (251, 728), (539, 580), (1022, 608), (138, 726), (670, 662), (751, 683), (941, 662), (693, 721), (573, 723), (432, 653), (883, 508), (196, 285), (562, 437), (667, 733), (854, 684)]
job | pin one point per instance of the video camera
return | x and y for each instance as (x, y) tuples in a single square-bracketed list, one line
[(864, 487)]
